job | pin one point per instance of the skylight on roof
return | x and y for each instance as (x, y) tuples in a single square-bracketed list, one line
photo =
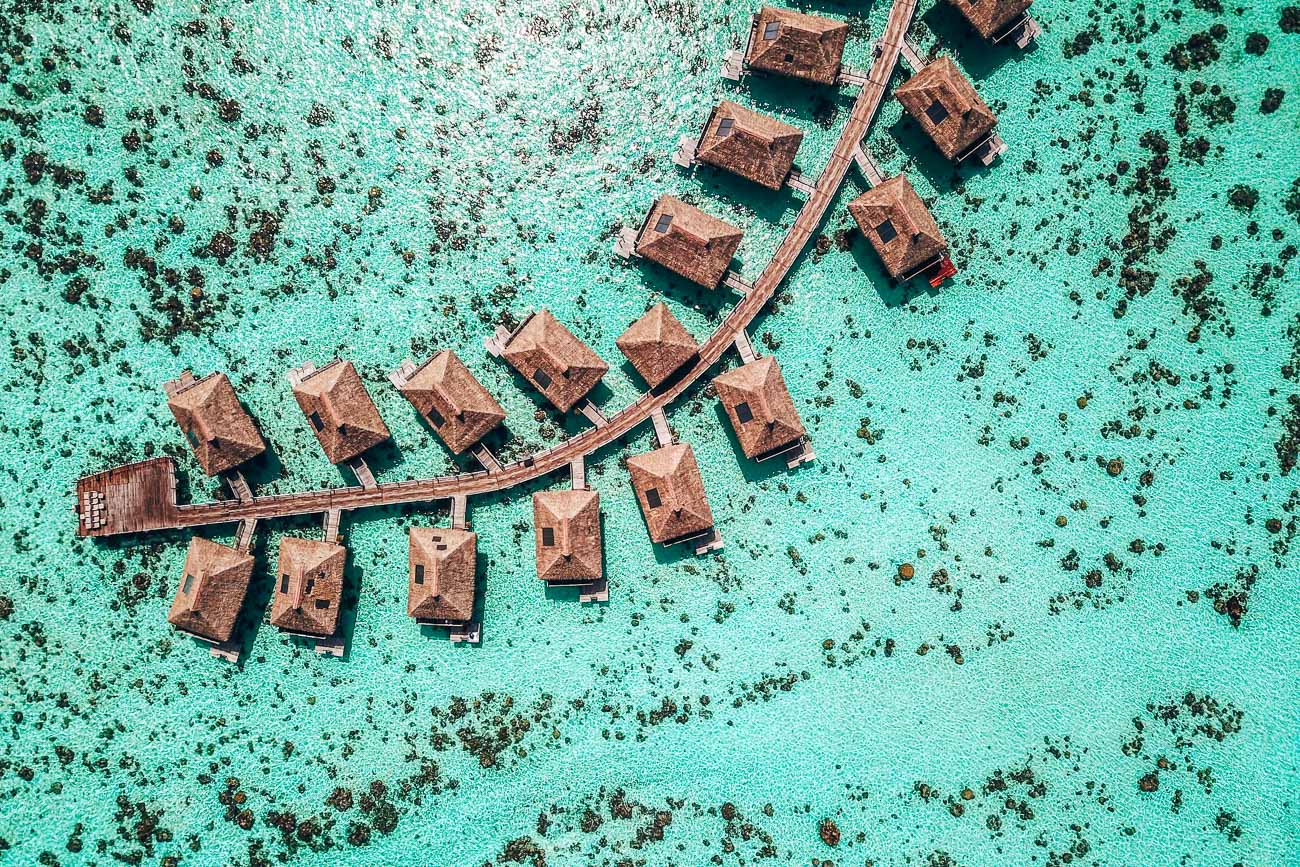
[(744, 413), (542, 379), (724, 126), (771, 30), (652, 498), (419, 573), (548, 537), (936, 112), (664, 221), (886, 231)]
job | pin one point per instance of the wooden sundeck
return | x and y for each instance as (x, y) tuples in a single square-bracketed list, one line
[(142, 497)]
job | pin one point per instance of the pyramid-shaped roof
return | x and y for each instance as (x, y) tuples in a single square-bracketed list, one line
[(340, 411), (896, 222), (568, 368), (671, 492), (568, 536), (760, 407), (658, 345), (947, 107), (216, 425), (441, 574), (749, 144), (793, 43), (455, 404), (308, 586), (688, 241), (992, 17), (212, 590)]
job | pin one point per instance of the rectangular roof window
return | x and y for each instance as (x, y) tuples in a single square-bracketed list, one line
[(284, 583), (311, 583), (744, 413), (542, 379), (435, 417), (189, 584), (724, 126), (322, 603), (886, 231), (936, 112), (548, 537), (419, 573), (652, 498), (771, 29), (664, 221), (316, 422)]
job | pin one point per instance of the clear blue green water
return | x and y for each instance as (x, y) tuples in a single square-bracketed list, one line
[(1116, 685)]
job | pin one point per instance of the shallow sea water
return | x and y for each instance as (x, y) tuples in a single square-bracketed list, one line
[(392, 178)]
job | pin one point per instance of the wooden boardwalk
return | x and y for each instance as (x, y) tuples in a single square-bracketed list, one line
[(142, 497)]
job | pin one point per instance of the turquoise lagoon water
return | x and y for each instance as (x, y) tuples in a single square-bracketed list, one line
[(1087, 668)]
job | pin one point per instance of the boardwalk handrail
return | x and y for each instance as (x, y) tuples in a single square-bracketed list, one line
[(553, 458)]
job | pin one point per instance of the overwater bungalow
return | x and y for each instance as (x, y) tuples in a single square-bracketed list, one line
[(213, 585), (1001, 20), (308, 587), (761, 410), (441, 577), (569, 545), (756, 147), (907, 239), (446, 395), (792, 43), (218, 428), (339, 409), (658, 345), (560, 365), (671, 493), (687, 241), (947, 107)]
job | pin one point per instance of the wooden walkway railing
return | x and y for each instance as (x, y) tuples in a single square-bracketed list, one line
[(160, 515)]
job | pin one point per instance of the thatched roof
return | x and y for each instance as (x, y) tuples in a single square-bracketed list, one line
[(688, 241), (671, 493), (568, 535), (308, 586), (896, 222), (658, 345), (560, 365), (218, 428), (441, 574), (992, 17), (792, 43), (212, 590), (458, 408), (760, 407), (340, 411), (947, 107), (750, 144)]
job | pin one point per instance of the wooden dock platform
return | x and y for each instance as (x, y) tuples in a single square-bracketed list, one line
[(663, 433), (592, 413), (684, 156), (625, 243), (460, 512), (488, 460), (733, 281), (238, 485), (801, 182), (301, 373), (733, 65), (361, 470), (911, 56), (402, 375), (870, 171), (744, 347), (578, 473), (141, 497)]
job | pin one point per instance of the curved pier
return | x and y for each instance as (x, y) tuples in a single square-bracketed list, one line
[(135, 498)]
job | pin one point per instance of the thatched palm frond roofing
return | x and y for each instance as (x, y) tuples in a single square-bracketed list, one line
[(568, 536), (896, 222), (687, 241), (456, 405), (749, 144), (308, 586), (671, 492), (658, 345), (567, 366), (340, 411), (213, 585), (796, 44), (760, 407), (441, 575), (947, 107), (219, 429)]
